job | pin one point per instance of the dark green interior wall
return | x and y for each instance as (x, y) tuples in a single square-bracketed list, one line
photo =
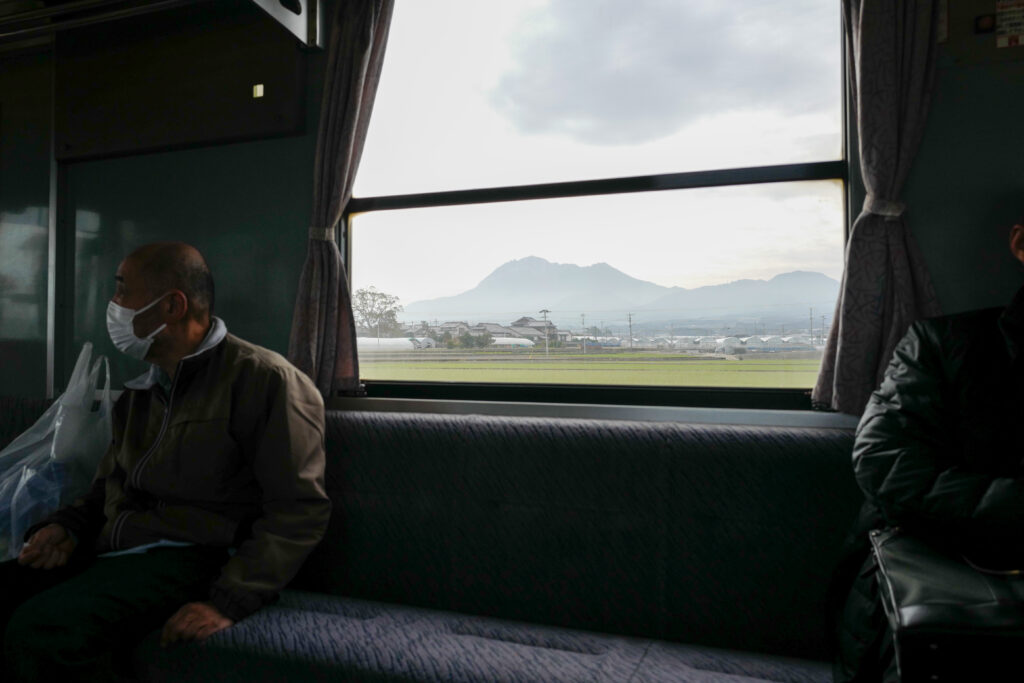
[(246, 206), (967, 185), (25, 104)]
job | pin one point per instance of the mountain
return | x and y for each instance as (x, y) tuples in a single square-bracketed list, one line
[(527, 285), (783, 295)]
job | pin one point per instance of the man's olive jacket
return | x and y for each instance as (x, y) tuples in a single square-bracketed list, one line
[(232, 455)]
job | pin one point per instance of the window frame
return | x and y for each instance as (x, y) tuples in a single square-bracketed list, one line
[(717, 397), (845, 169)]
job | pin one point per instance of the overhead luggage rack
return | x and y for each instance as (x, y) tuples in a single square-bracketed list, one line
[(24, 20)]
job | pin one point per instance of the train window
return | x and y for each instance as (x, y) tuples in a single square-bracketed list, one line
[(601, 193)]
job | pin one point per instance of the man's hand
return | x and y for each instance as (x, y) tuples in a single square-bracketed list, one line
[(49, 547), (194, 621)]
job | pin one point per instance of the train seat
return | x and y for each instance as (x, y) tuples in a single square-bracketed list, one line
[(473, 547), (479, 548)]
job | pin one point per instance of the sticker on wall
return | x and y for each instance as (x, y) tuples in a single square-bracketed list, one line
[(1010, 23)]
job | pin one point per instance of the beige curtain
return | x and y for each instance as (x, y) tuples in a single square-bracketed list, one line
[(323, 335), (891, 49)]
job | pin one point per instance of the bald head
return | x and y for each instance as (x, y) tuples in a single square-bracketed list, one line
[(164, 266)]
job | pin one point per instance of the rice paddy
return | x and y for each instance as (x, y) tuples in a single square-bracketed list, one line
[(616, 368)]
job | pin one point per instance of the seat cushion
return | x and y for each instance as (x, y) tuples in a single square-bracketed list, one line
[(678, 662), (318, 637), (723, 535)]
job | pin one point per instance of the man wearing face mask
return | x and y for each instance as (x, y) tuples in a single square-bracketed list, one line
[(206, 504)]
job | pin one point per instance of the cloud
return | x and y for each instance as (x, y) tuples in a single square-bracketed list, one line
[(612, 72)]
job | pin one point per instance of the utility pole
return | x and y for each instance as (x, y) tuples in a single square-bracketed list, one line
[(544, 312), (810, 325), (629, 317), (583, 323), (822, 329)]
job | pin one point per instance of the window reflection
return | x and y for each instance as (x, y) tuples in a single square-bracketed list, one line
[(23, 253), (23, 297)]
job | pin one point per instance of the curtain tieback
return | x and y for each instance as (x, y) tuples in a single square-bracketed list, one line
[(883, 207), (325, 234)]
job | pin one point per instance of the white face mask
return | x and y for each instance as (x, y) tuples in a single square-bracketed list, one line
[(122, 332)]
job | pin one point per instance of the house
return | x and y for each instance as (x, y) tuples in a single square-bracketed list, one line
[(543, 327), (527, 321), (528, 332), (493, 329), (455, 328)]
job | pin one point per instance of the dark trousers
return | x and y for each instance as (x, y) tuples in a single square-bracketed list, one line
[(866, 652), (80, 622)]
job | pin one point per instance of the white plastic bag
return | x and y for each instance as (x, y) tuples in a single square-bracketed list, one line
[(53, 461)]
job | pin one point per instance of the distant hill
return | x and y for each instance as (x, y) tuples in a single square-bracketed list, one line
[(527, 285), (783, 295)]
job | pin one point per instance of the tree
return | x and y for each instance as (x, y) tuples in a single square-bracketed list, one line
[(484, 340), (377, 312), (472, 341)]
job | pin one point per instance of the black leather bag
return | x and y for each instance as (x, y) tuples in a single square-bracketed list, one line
[(950, 620)]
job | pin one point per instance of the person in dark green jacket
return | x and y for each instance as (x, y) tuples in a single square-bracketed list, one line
[(208, 500), (939, 452)]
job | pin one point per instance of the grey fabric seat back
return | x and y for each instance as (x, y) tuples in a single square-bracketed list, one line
[(720, 535)]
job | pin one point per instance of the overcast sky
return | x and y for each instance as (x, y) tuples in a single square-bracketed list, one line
[(479, 93)]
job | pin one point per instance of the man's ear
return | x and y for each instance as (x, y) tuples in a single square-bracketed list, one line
[(1017, 242), (178, 304)]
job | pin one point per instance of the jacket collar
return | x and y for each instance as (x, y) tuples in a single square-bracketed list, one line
[(1011, 323), (155, 375)]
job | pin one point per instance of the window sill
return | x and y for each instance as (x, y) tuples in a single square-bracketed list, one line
[(734, 416), (765, 407), (692, 397)]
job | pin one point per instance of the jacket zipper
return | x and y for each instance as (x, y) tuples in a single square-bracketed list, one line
[(115, 534), (136, 477)]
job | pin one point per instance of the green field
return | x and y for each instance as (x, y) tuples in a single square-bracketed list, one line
[(644, 368)]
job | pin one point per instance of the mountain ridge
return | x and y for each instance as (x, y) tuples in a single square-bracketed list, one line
[(526, 285)]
